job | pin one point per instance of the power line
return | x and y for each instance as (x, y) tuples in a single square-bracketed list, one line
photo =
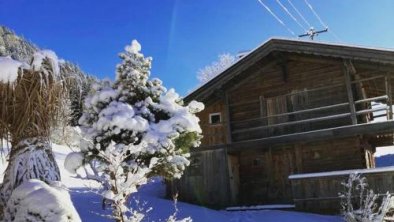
[(315, 13), (276, 17), (321, 21), (299, 13), (335, 36), (291, 15)]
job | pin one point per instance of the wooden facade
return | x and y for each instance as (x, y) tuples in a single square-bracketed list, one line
[(289, 107)]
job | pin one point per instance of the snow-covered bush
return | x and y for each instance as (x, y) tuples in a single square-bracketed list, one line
[(36, 201), (135, 129), (359, 204)]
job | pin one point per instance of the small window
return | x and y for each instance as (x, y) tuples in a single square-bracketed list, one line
[(215, 118), (257, 162)]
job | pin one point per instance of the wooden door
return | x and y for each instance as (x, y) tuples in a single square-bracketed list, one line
[(233, 165)]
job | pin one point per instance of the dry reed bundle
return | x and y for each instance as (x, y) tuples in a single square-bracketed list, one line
[(29, 107)]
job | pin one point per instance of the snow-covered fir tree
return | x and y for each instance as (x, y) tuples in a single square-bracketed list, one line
[(215, 68), (135, 129)]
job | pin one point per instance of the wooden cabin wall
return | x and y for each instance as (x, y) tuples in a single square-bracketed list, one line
[(213, 134), (271, 84), (320, 194), (332, 155), (264, 174), (205, 181)]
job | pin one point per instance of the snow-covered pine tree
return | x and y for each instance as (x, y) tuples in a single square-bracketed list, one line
[(137, 129)]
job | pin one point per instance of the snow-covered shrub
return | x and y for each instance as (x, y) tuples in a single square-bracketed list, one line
[(173, 217), (36, 201), (359, 204), (135, 129)]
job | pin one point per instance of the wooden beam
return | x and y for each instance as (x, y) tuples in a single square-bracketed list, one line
[(292, 113), (337, 116), (332, 133), (228, 120), (347, 70), (388, 93)]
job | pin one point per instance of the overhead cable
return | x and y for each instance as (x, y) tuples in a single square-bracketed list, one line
[(321, 21), (315, 13), (276, 17), (299, 14), (291, 15)]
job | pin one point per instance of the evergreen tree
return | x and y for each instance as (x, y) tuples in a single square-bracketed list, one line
[(137, 129)]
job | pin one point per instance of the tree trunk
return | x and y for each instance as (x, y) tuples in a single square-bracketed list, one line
[(30, 158)]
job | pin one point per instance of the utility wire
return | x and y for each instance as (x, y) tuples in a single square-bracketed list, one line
[(276, 17), (299, 14), (335, 36), (321, 21), (315, 13), (291, 15)]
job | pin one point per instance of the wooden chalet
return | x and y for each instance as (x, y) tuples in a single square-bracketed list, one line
[(288, 110)]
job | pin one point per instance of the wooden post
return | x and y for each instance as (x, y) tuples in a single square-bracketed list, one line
[(228, 121), (231, 200), (261, 106), (389, 99), (350, 92)]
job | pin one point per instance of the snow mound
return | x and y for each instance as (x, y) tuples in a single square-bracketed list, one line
[(37, 201), (9, 69), (73, 161)]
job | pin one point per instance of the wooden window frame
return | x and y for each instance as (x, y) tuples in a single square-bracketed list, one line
[(214, 114)]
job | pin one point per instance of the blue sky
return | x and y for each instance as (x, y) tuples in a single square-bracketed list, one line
[(183, 36)]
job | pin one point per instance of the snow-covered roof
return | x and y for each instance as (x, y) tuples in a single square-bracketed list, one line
[(308, 47)]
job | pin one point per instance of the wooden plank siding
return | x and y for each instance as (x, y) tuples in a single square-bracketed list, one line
[(269, 87), (320, 194), (205, 182), (213, 134), (264, 174)]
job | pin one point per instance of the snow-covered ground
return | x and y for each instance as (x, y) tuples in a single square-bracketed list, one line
[(89, 205)]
